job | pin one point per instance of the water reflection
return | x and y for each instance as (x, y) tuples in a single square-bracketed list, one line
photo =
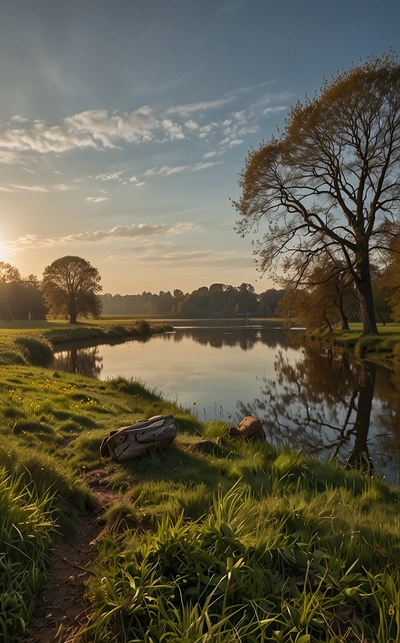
[(246, 337), (321, 403), (81, 361)]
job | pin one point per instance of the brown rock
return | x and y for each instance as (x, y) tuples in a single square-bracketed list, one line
[(250, 428)]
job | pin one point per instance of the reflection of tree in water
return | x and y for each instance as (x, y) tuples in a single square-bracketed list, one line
[(387, 391), (321, 404), (82, 361), (217, 337)]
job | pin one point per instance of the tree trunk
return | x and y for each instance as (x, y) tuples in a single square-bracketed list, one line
[(365, 297), (367, 309), (359, 457)]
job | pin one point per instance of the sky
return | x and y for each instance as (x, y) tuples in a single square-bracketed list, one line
[(124, 125)]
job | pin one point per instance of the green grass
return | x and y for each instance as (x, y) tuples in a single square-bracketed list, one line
[(245, 544), (378, 347), (33, 342)]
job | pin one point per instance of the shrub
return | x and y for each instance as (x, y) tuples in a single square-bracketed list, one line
[(37, 352), (143, 327)]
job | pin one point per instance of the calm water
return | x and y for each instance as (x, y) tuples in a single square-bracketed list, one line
[(317, 400)]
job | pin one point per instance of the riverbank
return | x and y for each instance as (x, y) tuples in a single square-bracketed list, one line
[(240, 544), (33, 342), (243, 543), (382, 347)]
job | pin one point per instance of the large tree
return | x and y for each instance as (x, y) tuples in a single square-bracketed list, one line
[(70, 287), (330, 183)]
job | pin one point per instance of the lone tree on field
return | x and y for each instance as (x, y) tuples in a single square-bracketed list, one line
[(330, 183), (70, 286)]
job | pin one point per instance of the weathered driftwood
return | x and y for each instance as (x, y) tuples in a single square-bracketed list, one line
[(250, 428), (130, 442)]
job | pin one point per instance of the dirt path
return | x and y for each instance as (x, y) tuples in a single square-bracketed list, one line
[(60, 609)]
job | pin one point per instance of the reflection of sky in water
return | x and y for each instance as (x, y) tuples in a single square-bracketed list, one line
[(187, 371), (216, 368)]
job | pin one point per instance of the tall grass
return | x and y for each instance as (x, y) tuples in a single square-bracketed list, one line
[(26, 523), (244, 544), (279, 568), (36, 351)]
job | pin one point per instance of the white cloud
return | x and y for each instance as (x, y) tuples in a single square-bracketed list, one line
[(204, 166), (165, 170), (191, 125), (187, 110), (19, 119), (180, 256), (174, 131), (99, 129), (236, 141), (29, 241), (62, 187), (109, 176), (32, 188), (131, 232), (59, 187), (142, 231), (96, 199), (274, 110)]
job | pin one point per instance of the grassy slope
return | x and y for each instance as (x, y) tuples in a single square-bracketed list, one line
[(384, 345), (246, 540), (15, 335), (246, 544)]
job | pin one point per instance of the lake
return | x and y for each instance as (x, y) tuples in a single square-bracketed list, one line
[(314, 399)]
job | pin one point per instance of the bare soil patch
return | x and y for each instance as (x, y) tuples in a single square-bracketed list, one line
[(61, 608)]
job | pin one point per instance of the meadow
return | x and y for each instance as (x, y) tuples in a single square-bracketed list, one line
[(242, 544)]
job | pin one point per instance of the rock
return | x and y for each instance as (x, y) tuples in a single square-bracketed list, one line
[(250, 428), (130, 442)]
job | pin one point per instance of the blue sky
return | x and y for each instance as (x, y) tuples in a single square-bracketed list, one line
[(124, 125)]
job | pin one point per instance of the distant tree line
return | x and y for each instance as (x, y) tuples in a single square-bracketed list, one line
[(69, 289), (218, 300), (324, 297), (20, 298)]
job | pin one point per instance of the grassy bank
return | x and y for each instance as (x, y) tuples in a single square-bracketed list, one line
[(32, 342), (384, 346), (243, 544)]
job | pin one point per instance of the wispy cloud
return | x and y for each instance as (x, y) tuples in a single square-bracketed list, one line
[(59, 187), (99, 129), (190, 108), (165, 170), (32, 188), (110, 176), (131, 232), (204, 166), (141, 232), (96, 199), (157, 253)]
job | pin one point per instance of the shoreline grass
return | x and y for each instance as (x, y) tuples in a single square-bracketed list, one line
[(384, 347), (246, 544), (32, 342)]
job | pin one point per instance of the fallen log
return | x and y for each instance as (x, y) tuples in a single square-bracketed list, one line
[(130, 442)]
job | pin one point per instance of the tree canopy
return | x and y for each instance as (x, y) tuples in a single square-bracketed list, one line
[(20, 298), (70, 287), (330, 183)]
